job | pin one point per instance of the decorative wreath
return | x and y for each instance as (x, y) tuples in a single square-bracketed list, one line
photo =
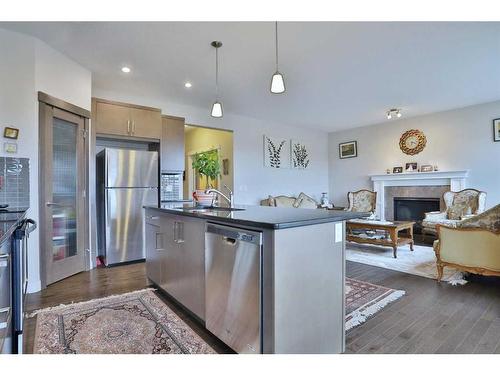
[(422, 141)]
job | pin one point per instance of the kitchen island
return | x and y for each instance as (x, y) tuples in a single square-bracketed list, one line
[(262, 279)]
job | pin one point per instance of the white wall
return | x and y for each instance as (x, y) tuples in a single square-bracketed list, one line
[(456, 140), (26, 67), (252, 180)]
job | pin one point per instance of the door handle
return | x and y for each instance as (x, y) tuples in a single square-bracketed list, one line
[(50, 204)]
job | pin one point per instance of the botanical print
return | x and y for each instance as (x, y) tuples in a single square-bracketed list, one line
[(300, 155), (276, 152)]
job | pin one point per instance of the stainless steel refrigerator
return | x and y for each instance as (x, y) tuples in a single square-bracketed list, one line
[(126, 181)]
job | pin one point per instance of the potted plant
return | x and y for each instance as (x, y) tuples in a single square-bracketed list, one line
[(207, 165)]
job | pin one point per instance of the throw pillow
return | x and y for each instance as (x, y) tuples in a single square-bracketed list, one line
[(456, 212), (489, 220), (284, 201), (305, 201)]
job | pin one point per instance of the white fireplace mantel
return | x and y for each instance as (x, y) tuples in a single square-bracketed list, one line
[(456, 180)]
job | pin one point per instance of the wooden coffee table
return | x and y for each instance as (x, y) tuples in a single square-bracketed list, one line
[(393, 230)]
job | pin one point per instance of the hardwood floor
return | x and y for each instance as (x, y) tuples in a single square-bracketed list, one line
[(430, 318)]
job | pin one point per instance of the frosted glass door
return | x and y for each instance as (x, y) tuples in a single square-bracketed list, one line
[(63, 184), (64, 189)]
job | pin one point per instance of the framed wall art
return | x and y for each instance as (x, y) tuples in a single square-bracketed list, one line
[(276, 152), (11, 133), (496, 130), (299, 155), (348, 150)]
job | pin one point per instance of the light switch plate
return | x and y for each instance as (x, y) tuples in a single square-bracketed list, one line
[(339, 232)]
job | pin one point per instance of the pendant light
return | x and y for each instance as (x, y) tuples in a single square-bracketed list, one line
[(277, 81), (217, 106)]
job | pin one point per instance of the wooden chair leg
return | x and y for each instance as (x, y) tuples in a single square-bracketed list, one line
[(440, 268)]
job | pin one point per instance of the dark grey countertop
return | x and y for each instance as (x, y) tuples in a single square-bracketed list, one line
[(267, 217), (9, 221)]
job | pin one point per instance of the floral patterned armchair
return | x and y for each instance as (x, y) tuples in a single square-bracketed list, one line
[(458, 206), (472, 246), (362, 201)]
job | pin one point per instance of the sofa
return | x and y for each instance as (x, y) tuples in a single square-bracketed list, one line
[(301, 201), (472, 245), (459, 205)]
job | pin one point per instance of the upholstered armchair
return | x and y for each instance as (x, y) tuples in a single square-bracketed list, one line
[(458, 206), (362, 201), (472, 246)]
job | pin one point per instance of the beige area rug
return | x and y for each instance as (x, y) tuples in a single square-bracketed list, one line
[(132, 323), (420, 262), (364, 300)]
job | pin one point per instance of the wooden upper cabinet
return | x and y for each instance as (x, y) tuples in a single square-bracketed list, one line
[(112, 119), (145, 123), (172, 144), (123, 119)]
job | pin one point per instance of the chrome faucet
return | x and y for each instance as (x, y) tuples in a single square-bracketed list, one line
[(229, 199)]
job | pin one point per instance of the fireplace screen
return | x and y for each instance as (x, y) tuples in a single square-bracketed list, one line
[(414, 209)]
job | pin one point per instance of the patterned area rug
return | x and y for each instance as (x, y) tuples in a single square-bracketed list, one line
[(132, 323), (420, 262), (364, 300)]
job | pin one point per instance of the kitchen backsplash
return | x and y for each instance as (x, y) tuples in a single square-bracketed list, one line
[(171, 187), (15, 182)]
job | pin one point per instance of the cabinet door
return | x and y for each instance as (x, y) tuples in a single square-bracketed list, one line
[(112, 119), (192, 277), (145, 123), (170, 258), (155, 246), (172, 144)]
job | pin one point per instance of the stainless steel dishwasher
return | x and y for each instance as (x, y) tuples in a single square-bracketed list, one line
[(233, 286)]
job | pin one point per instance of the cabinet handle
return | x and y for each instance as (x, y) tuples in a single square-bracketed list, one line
[(128, 127), (178, 232), (153, 217), (133, 127)]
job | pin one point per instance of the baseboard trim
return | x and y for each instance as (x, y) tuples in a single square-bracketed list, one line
[(34, 286)]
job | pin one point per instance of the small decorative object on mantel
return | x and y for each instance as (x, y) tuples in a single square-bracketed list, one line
[(11, 133), (412, 142), (397, 170), (426, 168), (496, 130), (300, 155), (276, 152), (436, 168), (388, 171), (411, 167), (348, 150)]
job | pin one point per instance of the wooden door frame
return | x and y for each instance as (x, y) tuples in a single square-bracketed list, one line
[(47, 104)]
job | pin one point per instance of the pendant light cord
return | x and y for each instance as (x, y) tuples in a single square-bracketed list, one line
[(217, 73), (276, 35)]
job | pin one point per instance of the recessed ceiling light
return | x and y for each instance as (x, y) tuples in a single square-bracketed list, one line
[(126, 69), (188, 85)]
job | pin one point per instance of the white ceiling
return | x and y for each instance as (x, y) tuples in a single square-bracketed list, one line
[(338, 75)]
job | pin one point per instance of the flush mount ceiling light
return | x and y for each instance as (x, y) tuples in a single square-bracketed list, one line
[(277, 81), (394, 112), (188, 85), (125, 69), (217, 106)]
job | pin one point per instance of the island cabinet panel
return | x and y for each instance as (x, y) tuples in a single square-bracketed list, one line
[(155, 246), (124, 119), (172, 144), (177, 245), (310, 262)]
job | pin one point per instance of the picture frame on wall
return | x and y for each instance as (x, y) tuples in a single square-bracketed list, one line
[(496, 130), (11, 133), (348, 149)]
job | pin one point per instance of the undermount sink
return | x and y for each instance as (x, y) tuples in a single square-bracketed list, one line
[(209, 209)]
